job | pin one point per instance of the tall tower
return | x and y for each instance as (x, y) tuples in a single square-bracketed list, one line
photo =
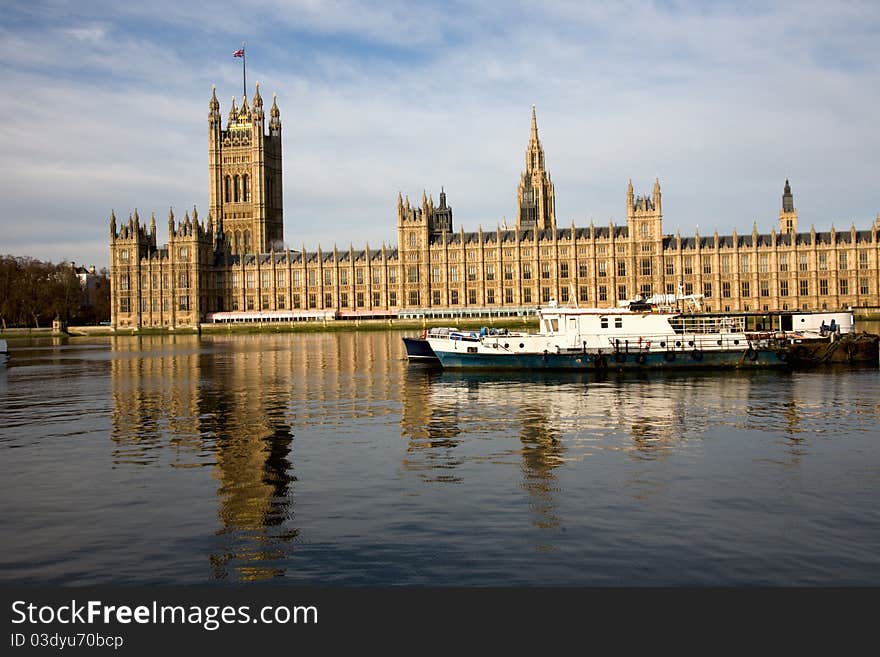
[(788, 215), (244, 167), (535, 196)]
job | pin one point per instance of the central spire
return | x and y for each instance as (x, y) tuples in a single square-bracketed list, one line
[(534, 138), (535, 196)]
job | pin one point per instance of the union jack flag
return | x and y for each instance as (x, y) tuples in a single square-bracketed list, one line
[(238, 53)]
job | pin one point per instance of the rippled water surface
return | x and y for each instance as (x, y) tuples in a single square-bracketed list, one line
[(328, 459)]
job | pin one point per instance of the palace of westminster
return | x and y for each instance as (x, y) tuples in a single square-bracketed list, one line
[(233, 262)]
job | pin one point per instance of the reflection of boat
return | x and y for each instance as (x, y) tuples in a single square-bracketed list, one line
[(4, 351), (639, 337)]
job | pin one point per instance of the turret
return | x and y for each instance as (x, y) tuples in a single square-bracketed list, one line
[(788, 214), (274, 118), (214, 108)]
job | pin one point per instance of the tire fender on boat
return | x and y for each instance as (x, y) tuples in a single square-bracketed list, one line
[(696, 354), (751, 354), (642, 358)]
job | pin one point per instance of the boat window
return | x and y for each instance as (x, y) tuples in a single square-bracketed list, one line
[(618, 322), (555, 324), (604, 322)]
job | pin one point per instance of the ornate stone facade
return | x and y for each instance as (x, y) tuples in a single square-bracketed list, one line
[(233, 262)]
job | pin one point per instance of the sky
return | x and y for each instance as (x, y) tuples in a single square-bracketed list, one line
[(106, 108)]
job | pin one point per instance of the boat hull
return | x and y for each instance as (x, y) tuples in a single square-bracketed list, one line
[(753, 359), (419, 349)]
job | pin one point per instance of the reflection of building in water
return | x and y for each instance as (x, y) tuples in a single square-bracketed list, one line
[(431, 429), (542, 452), (176, 401), (229, 402)]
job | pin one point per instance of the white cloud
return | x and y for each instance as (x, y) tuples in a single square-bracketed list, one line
[(722, 103)]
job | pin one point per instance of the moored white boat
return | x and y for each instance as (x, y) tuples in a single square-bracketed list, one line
[(638, 337)]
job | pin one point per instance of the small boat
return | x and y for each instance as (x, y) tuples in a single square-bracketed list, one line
[(418, 349), (639, 337)]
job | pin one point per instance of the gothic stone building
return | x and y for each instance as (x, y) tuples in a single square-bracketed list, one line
[(233, 264)]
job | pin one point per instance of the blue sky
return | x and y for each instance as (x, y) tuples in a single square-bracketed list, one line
[(106, 107)]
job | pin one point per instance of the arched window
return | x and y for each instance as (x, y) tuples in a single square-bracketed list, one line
[(247, 241), (245, 191), (236, 189), (227, 192), (236, 247)]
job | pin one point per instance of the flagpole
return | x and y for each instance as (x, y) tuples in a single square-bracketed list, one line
[(243, 69)]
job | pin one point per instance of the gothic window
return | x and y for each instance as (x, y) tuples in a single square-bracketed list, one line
[(280, 278), (328, 299), (413, 240), (526, 271), (823, 286), (343, 277), (359, 275), (804, 286), (545, 294), (863, 261), (472, 297), (490, 296), (249, 280), (783, 288), (313, 278), (236, 187), (247, 241), (490, 272), (245, 189), (227, 191), (328, 277), (392, 298), (646, 266), (377, 276), (844, 286), (583, 293), (563, 270), (266, 275), (842, 262), (621, 271), (435, 296)]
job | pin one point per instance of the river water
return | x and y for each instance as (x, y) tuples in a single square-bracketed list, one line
[(327, 459)]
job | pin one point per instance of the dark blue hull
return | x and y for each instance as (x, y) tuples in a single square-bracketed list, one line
[(670, 360), (419, 349)]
